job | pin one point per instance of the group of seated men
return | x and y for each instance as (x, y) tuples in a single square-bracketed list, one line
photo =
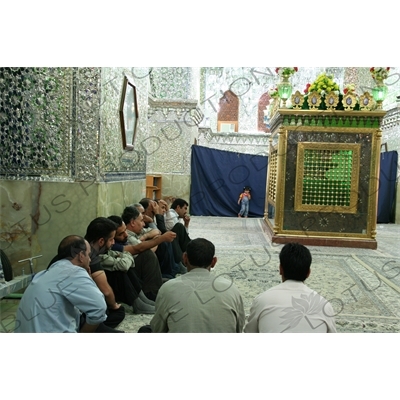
[(128, 262), (146, 259)]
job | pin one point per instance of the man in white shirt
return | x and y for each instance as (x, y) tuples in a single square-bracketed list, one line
[(291, 306), (177, 220)]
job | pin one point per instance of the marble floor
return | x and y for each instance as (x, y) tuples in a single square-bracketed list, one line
[(363, 285)]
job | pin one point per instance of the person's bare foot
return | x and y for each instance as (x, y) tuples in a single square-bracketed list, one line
[(239, 216)]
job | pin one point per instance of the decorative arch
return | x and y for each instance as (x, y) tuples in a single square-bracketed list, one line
[(228, 114)]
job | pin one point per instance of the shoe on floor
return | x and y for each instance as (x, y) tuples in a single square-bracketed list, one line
[(144, 299), (140, 307), (151, 295)]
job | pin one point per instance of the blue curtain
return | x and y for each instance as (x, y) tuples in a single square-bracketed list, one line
[(218, 177), (387, 187)]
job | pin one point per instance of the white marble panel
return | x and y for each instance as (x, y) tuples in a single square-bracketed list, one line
[(115, 196), (176, 186)]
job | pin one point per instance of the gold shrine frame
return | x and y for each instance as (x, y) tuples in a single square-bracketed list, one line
[(272, 175), (327, 177)]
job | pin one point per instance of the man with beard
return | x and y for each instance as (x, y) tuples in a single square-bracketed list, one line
[(177, 220), (165, 250), (147, 266), (100, 235), (119, 266)]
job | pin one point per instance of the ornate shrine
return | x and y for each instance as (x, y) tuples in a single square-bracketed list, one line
[(322, 183)]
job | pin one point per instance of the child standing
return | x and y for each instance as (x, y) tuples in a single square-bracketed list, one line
[(244, 200)]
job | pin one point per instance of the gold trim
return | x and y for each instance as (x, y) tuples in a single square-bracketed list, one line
[(280, 180), (274, 107), (272, 176), (366, 101), (285, 116), (297, 100), (268, 222), (349, 101), (268, 181), (318, 234), (373, 113), (314, 100), (374, 182), (331, 101), (354, 179), (329, 129)]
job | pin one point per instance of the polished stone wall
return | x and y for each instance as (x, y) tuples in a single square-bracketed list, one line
[(36, 216), (176, 186)]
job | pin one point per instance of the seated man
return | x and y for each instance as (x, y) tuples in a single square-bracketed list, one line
[(147, 266), (56, 297), (152, 211), (173, 218), (149, 230), (148, 215), (100, 235), (291, 306), (164, 252), (119, 267), (198, 301)]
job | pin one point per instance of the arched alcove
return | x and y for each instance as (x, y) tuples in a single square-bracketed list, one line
[(228, 114)]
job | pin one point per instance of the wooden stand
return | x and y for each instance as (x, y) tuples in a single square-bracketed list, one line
[(153, 186)]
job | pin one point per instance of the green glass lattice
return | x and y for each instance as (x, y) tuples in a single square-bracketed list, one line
[(327, 177)]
